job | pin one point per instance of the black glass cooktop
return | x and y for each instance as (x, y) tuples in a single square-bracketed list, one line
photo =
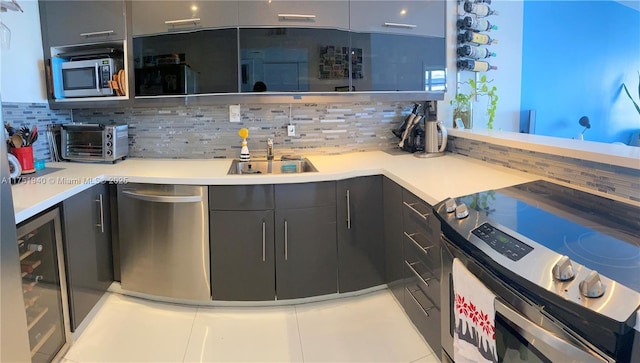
[(597, 232)]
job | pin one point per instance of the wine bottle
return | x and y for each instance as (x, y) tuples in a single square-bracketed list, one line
[(481, 25), (31, 277), (479, 9), (476, 38), (474, 65), (471, 51)]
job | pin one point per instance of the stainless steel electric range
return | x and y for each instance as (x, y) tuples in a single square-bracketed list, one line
[(564, 265)]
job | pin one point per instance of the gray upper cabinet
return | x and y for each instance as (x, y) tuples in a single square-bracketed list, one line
[(82, 22), (156, 17), (425, 18), (398, 46), (305, 14)]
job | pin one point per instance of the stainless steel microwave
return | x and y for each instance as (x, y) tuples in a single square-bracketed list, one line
[(88, 77), (94, 142)]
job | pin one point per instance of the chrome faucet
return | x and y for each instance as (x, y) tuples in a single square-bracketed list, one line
[(269, 149)]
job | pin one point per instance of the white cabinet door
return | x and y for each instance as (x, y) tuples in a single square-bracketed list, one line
[(287, 13), (425, 18), (154, 17)]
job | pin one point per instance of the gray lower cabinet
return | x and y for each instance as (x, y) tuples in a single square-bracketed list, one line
[(305, 230), (242, 256), (361, 248), (273, 241), (306, 256), (87, 246), (422, 267), (393, 236)]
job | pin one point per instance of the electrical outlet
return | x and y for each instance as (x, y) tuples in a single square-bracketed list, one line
[(291, 130), (234, 113)]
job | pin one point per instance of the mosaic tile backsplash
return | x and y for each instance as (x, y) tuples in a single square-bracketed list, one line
[(205, 132), (606, 178), (35, 114)]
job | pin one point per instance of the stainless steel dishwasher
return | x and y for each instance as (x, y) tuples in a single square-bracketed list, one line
[(164, 240)]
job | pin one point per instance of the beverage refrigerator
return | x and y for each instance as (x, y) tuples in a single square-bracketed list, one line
[(34, 306)]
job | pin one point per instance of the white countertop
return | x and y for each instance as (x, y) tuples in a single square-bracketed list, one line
[(432, 179), (613, 154)]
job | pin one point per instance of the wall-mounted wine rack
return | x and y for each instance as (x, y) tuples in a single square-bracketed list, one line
[(475, 26)]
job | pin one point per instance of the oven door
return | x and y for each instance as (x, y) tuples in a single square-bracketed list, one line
[(83, 143), (523, 332)]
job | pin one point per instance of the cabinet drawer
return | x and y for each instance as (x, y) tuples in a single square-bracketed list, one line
[(420, 208), (241, 197), (424, 316), (419, 216), (418, 276), (305, 195), (419, 246)]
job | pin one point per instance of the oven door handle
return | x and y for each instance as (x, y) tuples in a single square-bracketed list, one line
[(550, 345)]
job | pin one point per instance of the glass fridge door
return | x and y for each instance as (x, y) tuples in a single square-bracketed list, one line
[(44, 286)]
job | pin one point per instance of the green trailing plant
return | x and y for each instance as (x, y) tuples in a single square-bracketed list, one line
[(480, 88), (462, 108), (629, 94)]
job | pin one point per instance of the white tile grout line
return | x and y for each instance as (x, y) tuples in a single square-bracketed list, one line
[(295, 309), (426, 356), (193, 323)]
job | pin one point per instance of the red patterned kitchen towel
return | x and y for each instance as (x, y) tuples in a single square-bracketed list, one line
[(474, 337)]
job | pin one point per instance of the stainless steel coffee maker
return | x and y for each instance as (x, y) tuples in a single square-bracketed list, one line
[(434, 142)]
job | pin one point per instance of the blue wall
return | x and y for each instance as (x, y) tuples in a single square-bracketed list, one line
[(575, 57)]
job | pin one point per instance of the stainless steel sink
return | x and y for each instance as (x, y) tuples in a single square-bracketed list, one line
[(271, 167)]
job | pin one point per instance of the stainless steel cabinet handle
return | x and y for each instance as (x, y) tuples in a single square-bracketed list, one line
[(93, 34), (348, 211), (264, 241), (400, 25), (182, 21), (286, 240), (425, 311), (410, 206), (410, 237), (162, 198), (101, 224), (410, 266), (297, 16)]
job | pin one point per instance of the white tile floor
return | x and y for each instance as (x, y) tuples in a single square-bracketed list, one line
[(366, 328)]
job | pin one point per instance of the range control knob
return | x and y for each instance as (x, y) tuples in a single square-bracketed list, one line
[(563, 269), (450, 205), (462, 211), (592, 286)]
